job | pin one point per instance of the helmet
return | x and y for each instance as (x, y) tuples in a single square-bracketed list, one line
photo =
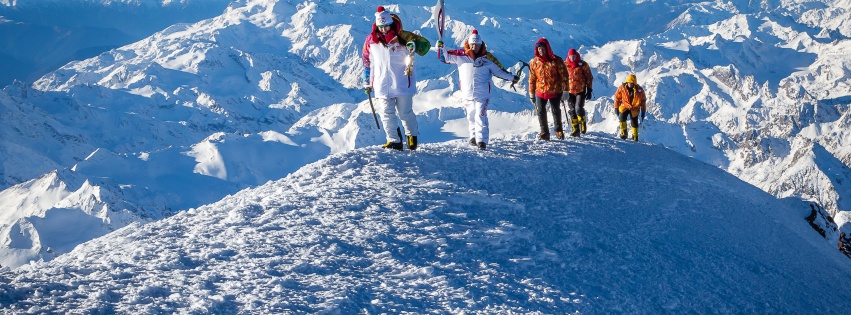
[(631, 78)]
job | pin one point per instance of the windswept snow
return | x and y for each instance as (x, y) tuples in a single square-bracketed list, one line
[(591, 226)]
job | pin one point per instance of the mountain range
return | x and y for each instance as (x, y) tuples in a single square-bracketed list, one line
[(39, 36)]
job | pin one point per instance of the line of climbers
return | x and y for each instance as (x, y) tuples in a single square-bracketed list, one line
[(388, 54)]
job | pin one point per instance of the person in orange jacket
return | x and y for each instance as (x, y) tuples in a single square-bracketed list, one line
[(580, 78), (547, 81), (629, 101)]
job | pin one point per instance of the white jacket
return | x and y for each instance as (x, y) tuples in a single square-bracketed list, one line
[(387, 69), (475, 75)]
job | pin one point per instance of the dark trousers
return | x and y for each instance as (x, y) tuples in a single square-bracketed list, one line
[(575, 105), (541, 107), (633, 119)]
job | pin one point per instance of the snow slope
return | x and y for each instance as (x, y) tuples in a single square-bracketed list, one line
[(199, 111), (591, 226)]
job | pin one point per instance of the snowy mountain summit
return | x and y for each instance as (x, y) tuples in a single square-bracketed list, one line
[(597, 226)]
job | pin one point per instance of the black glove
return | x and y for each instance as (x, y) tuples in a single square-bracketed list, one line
[(532, 99), (588, 93), (367, 90), (642, 116)]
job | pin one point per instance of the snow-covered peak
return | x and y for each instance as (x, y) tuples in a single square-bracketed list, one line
[(525, 227), (50, 215)]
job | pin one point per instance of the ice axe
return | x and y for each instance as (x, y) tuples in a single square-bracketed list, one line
[(519, 72), (369, 93)]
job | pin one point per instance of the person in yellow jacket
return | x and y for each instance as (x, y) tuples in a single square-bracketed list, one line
[(547, 80), (630, 100)]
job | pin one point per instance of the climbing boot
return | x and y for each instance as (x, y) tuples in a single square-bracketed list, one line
[(412, 142), (582, 124), (574, 127), (634, 133), (623, 130), (393, 145)]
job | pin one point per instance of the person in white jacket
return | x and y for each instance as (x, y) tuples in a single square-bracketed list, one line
[(388, 54), (475, 68)]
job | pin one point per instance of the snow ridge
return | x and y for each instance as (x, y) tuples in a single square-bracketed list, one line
[(525, 227)]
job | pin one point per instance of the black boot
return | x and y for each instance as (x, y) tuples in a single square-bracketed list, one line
[(544, 136), (482, 145), (473, 141)]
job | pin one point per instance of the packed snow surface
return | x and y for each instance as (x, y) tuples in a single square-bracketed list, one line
[(592, 226)]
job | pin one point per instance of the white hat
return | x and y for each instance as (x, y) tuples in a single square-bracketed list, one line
[(382, 17), (474, 38)]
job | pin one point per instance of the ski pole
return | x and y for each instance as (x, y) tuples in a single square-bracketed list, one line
[(617, 124), (373, 109)]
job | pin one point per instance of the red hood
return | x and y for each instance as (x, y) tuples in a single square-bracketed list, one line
[(573, 52), (550, 56)]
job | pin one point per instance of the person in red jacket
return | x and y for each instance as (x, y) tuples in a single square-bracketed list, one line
[(547, 82), (630, 100), (580, 78)]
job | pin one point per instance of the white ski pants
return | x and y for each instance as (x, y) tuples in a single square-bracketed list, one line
[(477, 119), (394, 109)]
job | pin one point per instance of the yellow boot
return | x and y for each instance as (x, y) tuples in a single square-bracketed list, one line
[(393, 145), (574, 127), (623, 130), (582, 125), (412, 142), (634, 133)]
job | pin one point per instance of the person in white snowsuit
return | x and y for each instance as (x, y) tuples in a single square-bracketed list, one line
[(475, 69), (394, 81)]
